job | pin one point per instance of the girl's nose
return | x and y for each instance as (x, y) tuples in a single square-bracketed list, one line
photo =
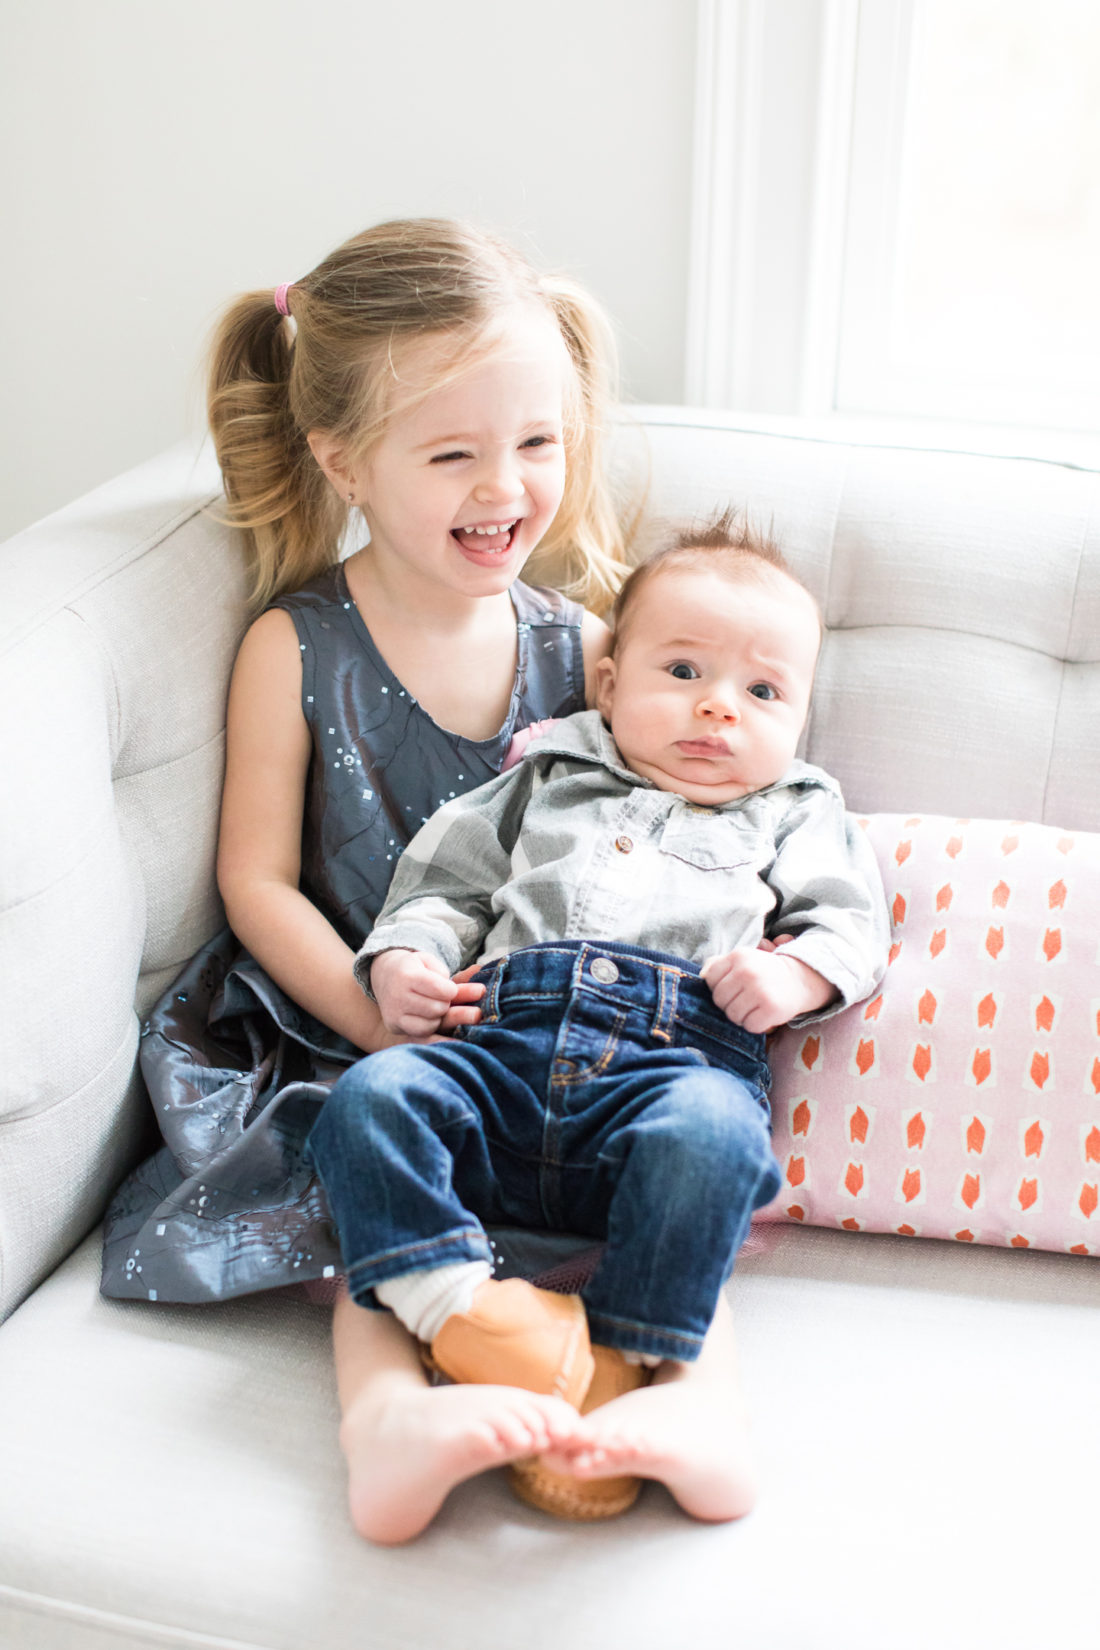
[(498, 480), (717, 708)]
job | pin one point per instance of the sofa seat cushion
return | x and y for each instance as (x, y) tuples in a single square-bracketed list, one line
[(171, 1478)]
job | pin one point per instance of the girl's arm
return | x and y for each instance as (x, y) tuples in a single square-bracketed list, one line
[(259, 847)]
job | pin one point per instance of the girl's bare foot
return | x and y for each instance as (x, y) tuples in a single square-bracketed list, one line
[(408, 1445), (687, 1432)]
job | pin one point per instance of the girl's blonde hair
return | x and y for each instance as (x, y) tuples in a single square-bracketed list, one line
[(331, 368)]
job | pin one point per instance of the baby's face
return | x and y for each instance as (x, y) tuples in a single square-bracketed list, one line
[(710, 685)]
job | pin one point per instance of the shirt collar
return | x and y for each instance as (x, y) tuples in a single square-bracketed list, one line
[(585, 737)]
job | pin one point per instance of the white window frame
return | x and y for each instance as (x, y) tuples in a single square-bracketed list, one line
[(774, 95), (799, 157)]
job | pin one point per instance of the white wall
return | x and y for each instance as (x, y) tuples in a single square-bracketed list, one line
[(160, 155)]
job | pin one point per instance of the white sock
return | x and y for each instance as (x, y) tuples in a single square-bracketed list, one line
[(423, 1301), (648, 1360)]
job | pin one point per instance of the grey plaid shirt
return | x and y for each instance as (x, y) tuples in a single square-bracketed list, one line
[(571, 845)]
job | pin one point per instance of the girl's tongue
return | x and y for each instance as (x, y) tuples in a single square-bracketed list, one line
[(486, 544)]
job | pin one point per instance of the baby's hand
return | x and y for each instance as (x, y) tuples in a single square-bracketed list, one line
[(413, 991), (764, 989)]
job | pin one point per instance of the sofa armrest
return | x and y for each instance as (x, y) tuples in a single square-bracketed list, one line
[(121, 615)]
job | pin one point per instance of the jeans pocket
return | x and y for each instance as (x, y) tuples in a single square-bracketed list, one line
[(734, 1051)]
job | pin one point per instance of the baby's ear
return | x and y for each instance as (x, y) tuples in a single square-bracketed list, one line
[(605, 685)]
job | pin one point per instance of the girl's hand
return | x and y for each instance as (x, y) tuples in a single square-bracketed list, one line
[(763, 989), (463, 1010), (524, 737)]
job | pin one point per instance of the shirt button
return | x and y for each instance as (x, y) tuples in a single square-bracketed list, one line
[(623, 844), (604, 970)]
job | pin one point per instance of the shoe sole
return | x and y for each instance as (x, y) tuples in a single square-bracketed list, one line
[(590, 1499), (562, 1497)]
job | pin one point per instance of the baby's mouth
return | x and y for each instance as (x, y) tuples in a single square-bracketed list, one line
[(488, 538), (703, 747)]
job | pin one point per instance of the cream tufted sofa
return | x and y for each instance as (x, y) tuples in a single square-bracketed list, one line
[(925, 1413)]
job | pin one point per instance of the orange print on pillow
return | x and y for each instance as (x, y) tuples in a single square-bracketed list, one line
[(992, 1001)]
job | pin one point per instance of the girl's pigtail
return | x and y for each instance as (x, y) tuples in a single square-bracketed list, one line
[(291, 518), (586, 545)]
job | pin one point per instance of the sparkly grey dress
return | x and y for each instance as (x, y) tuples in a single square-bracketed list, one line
[(235, 1070)]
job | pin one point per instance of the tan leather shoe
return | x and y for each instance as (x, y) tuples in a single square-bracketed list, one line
[(517, 1335), (585, 1498)]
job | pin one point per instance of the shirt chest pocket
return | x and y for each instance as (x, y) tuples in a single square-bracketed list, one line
[(711, 844)]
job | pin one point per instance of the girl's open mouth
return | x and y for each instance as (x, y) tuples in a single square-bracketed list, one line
[(492, 539)]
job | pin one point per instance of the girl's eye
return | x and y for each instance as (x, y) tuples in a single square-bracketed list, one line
[(538, 441), (763, 690), (448, 458), (683, 672)]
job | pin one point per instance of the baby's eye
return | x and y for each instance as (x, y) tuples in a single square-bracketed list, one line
[(682, 671), (448, 458), (763, 690), (538, 441)]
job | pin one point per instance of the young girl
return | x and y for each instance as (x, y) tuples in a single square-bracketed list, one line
[(426, 378)]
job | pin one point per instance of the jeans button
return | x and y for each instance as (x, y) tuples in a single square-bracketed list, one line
[(623, 844), (604, 970)]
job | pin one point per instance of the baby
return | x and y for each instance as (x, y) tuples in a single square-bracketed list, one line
[(657, 885)]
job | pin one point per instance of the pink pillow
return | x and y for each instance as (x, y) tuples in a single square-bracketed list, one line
[(963, 1100)]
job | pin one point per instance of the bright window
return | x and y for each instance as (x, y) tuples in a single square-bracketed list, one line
[(897, 210), (971, 285)]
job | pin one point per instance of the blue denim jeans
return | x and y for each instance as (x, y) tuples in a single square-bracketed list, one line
[(602, 1093)]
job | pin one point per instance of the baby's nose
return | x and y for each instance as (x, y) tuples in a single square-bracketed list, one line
[(718, 709)]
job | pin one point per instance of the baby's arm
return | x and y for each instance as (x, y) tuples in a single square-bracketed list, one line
[(830, 925), (259, 847), (439, 908)]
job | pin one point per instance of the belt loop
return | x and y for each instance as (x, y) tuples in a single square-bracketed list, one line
[(490, 1003), (665, 1017)]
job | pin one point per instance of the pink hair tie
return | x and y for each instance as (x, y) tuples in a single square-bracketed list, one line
[(280, 297)]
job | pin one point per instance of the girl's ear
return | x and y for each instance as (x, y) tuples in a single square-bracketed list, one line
[(329, 454), (605, 685)]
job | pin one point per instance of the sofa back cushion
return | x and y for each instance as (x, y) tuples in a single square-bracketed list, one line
[(960, 672)]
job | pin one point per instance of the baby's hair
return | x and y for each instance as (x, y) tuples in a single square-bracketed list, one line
[(727, 543), (325, 361)]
